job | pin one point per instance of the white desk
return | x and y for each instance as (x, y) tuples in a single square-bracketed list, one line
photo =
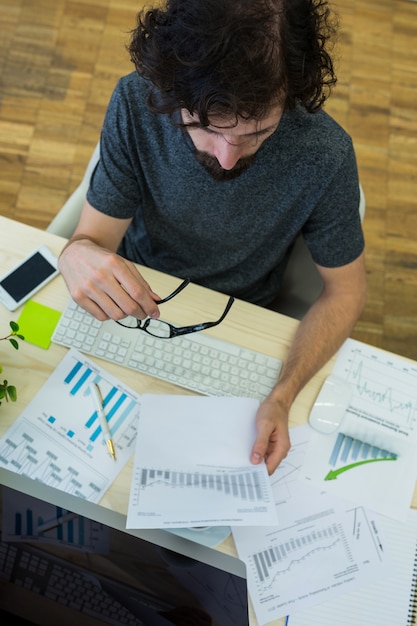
[(246, 324)]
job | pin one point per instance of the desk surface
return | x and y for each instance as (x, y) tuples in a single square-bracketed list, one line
[(246, 324)]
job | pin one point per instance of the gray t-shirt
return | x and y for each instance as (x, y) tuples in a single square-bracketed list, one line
[(230, 236)]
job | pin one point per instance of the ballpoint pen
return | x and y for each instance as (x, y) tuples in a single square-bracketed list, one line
[(98, 399)]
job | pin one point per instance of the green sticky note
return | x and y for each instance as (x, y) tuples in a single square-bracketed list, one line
[(37, 323)]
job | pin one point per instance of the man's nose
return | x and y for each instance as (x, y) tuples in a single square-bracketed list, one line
[(226, 153)]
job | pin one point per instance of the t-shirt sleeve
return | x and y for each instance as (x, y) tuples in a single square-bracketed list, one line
[(115, 187), (333, 233)]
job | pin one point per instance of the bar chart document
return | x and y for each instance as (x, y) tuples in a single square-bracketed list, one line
[(192, 465), (58, 438), (371, 459)]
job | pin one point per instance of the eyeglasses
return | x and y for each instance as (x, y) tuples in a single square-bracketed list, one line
[(164, 330)]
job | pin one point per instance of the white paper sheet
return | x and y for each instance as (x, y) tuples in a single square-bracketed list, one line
[(57, 439), (371, 459), (321, 548), (192, 465), (389, 602)]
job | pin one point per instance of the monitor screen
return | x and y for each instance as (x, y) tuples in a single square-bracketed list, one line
[(63, 559)]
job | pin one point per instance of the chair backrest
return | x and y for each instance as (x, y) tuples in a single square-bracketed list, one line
[(66, 220)]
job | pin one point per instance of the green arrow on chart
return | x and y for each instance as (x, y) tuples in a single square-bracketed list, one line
[(333, 474)]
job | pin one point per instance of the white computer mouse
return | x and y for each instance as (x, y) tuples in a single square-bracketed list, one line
[(330, 405)]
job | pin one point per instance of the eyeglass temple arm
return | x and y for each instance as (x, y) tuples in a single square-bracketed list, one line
[(185, 330), (183, 285)]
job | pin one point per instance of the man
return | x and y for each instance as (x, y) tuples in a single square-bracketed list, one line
[(215, 154)]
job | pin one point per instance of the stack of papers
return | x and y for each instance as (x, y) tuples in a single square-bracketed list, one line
[(308, 534)]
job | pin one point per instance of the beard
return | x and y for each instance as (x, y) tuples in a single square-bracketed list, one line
[(216, 171)]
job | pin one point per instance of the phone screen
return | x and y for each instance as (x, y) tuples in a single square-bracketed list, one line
[(27, 276)]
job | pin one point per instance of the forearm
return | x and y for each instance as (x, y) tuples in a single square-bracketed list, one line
[(78, 237), (97, 228), (319, 335)]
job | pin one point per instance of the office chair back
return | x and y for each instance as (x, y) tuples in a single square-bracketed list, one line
[(65, 222)]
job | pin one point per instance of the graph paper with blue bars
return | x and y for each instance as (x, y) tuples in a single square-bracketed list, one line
[(58, 438)]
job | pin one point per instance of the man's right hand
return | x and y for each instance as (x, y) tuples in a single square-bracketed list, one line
[(105, 284)]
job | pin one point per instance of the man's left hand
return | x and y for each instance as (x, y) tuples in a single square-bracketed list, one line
[(273, 439)]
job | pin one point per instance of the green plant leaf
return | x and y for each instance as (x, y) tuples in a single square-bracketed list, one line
[(8, 392), (12, 393)]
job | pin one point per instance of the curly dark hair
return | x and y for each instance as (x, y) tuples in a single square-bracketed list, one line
[(235, 57)]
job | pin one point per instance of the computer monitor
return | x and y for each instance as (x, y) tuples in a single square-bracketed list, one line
[(64, 559)]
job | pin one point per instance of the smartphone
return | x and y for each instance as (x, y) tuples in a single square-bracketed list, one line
[(26, 278)]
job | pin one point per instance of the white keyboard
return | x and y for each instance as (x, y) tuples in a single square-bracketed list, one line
[(196, 361)]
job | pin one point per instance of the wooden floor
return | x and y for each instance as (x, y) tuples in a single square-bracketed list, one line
[(60, 60)]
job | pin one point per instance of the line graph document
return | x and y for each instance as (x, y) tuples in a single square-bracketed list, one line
[(371, 460), (388, 602), (58, 440), (192, 465), (322, 546)]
